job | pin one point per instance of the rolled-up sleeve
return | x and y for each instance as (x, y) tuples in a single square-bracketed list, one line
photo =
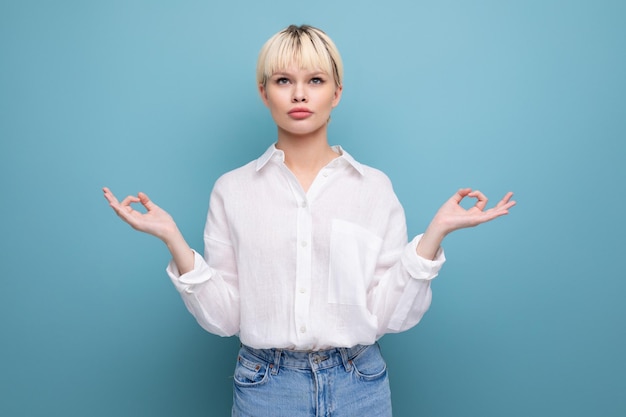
[(417, 295), (210, 291), (418, 267), (185, 283), (401, 293)]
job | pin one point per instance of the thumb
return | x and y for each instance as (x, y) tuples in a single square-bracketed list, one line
[(145, 201)]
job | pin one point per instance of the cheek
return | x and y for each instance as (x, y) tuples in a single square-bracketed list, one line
[(332, 97), (278, 98), (273, 101)]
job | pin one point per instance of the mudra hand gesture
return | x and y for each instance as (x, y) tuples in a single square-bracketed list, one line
[(452, 216), (155, 221)]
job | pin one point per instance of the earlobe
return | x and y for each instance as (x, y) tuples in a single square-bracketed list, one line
[(337, 97), (263, 94)]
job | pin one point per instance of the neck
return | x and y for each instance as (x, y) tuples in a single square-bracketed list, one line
[(305, 155), (305, 152)]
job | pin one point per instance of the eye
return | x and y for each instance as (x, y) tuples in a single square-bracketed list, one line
[(317, 80), (282, 80)]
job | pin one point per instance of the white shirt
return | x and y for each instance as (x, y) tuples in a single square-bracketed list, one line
[(293, 270)]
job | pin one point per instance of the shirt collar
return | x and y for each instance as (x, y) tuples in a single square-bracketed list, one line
[(271, 152), (274, 153)]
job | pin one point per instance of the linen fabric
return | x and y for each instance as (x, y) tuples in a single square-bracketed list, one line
[(288, 269)]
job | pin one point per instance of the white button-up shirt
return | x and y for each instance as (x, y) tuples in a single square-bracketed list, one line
[(287, 269)]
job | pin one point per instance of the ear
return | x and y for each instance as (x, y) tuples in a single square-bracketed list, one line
[(337, 96), (263, 94)]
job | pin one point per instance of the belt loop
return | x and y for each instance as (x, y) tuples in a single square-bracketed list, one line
[(276, 364), (347, 363)]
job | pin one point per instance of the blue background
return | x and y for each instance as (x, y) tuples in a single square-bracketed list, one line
[(528, 316)]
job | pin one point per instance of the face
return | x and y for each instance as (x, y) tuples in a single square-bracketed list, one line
[(300, 100)]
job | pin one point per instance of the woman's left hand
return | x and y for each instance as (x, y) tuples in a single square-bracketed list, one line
[(452, 216)]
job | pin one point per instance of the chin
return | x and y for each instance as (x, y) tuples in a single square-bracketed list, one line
[(304, 130)]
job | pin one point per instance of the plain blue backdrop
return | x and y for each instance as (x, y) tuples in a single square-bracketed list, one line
[(529, 313)]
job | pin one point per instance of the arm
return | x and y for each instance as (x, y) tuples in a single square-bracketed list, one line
[(156, 222), (210, 294), (403, 292), (400, 294), (451, 216)]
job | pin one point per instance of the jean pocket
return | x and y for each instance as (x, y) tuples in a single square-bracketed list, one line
[(354, 253), (250, 372), (369, 365)]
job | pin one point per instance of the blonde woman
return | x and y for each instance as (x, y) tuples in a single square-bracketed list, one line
[(306, 256)]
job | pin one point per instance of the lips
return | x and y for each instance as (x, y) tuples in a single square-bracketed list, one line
[(300, 113)]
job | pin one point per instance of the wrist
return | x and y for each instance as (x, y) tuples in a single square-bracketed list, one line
[(182, 254), (172, 237), (431, 240), (436, 232)]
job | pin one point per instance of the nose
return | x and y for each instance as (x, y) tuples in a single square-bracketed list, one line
[(299, 95)]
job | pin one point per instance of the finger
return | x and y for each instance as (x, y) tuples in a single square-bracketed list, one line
[(126, 212), (460, 194), (509, 205), (115, 204), (109, 195), (499, 210), (129, 200), (505, 199), (482, 199), (490, 215), (145, 200)]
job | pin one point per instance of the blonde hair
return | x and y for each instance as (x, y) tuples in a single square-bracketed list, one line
[(305, 46)]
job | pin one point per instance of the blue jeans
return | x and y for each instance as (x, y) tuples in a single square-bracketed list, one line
[(340, 382)]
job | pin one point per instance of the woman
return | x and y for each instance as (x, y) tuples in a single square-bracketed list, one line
[(306, 253)]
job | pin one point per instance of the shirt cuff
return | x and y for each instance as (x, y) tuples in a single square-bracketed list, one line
[(418, 267), (200, 273)]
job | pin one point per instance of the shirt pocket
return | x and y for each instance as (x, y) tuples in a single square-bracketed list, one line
[(353, 255)]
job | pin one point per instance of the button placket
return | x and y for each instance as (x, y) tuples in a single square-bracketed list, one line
[(303, 267)]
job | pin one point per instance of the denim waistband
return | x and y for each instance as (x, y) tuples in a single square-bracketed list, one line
[(319, 359)]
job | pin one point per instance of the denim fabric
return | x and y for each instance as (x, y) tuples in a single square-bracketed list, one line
[(340, 382)]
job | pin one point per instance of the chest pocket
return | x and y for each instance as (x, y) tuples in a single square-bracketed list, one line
[(353, 254)]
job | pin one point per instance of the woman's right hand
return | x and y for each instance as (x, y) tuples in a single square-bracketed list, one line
[(155, 221)]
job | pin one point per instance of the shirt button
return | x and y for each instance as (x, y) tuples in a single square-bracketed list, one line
[(302, 290), (303, 204), (303, 329), (326, 173), (304, 243)]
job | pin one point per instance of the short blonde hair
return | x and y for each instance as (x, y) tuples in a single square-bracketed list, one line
[(306, 46)]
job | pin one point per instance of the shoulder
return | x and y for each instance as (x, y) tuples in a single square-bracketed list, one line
[(370, 177), (375, 175), (247, 173), (367, 185), (235, 178)]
